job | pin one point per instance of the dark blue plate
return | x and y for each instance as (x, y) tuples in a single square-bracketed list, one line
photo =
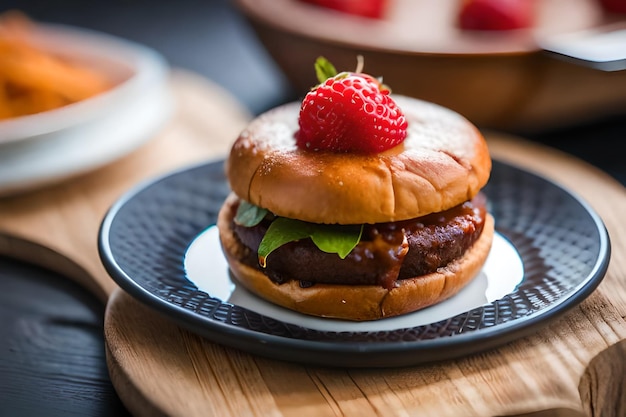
[(562, 243)]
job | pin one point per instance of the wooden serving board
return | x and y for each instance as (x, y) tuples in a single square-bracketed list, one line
[(575, 366)]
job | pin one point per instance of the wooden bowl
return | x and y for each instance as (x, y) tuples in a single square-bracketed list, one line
[(501, 80)]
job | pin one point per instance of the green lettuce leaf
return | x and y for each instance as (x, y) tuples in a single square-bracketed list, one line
[(328, 238), (249, 215)]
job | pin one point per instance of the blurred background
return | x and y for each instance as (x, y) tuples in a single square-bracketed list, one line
[(215, 39), (209, 37), (262, 51)]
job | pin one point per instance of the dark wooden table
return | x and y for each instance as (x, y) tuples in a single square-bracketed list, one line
[(51, 344)]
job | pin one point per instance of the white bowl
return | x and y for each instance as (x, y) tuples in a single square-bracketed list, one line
[(47, 147)]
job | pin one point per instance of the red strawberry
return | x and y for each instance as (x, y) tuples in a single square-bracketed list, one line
[(496, 14), (349, 112), (367, 8), (617, 6)]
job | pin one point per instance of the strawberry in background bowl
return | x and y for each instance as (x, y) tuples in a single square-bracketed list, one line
[(496, 14), (614, 6), (374, 9)]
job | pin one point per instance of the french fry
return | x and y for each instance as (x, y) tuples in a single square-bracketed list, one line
[(33, 80)]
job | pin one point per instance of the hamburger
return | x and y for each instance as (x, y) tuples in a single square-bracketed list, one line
[(356, 204)]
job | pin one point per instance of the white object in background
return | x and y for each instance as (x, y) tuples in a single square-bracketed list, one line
[(47, 147), (602, 48)]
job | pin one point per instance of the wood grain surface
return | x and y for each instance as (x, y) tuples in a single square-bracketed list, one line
[(573, 367)]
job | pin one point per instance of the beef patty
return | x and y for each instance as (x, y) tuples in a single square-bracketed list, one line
[(386, 253)]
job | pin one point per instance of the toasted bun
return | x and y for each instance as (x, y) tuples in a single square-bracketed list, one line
[(355, 302), (443, 162)]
